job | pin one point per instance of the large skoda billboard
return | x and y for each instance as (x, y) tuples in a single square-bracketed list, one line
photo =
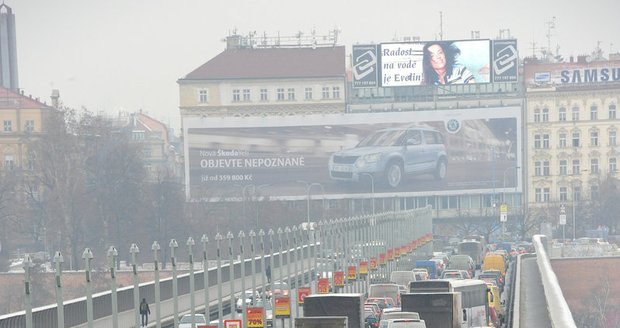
[(353, 155), (446, 62)]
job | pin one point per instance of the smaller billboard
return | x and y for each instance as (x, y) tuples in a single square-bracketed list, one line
[(435, 63), (505, 59), (365, 66)]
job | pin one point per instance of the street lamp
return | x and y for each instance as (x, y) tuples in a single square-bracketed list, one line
[(308, 188)]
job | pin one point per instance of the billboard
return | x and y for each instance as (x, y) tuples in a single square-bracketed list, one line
[(352, 155), (365, 69), (446, 62), (572, 73)]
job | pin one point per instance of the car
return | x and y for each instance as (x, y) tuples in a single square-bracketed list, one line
[(280, 288), (382, 302), (397, 313), (199, 319), (249, 296), (374, 307), (371, 321), (402, 323), (421, 275), (455, 274), (389, 155)]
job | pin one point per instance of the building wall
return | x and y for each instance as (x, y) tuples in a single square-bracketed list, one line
[(597, 157)]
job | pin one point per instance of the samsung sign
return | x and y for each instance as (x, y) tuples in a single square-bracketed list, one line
[(593, 75)]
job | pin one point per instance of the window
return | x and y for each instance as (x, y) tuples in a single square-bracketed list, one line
[(562, 114), (203, 96), (8, 126), (562, 140), (280, 93), (537, 115), (546, 141), (576, 193), (29, 126), (137, 135), (575, 113), (563, 167), (538, 195), (308, 94), (594, 192), (612, 164), (546, 171), (594, 138), (264, 96), (246, 94), (576, 169), (537, 169), (291, 94), (612, 111), (236, 95), (593, 113), (336, 92), (8, 162), (325, 92), (546, 192), (537, 141), (575, 139), (563, 194), (612, 137), (545, 114), (594, 165)]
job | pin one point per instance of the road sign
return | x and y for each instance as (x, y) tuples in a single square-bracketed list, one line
[(562, 220), (503, 212)]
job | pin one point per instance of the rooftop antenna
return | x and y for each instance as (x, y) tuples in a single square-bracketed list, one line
[(550, 26), (533, 48), (504, 33), (441, 25)]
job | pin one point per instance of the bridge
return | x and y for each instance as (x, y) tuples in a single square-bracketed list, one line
[(371, 246)]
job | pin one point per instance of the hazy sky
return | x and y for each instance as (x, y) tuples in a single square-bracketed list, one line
[(128, 54)]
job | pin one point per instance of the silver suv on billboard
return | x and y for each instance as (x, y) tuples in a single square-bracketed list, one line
[(389, 155)]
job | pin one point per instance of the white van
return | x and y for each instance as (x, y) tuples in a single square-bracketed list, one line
[(402, 277)]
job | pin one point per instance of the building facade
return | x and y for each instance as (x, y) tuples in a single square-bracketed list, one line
[(22, 121), (572, 128), (246, 80)]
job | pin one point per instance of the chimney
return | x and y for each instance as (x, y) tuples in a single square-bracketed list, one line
[(55, 97)]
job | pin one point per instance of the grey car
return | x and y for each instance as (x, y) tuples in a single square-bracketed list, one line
[(391, 154)]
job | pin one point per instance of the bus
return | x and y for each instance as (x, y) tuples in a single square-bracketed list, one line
[(474, 302), (473, 248)]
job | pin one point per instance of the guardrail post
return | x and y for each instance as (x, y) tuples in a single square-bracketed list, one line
[(88, 256), (205, 267), (112, 254), (175, 287), (252, 234), (220, 309), (27, 297), (155, 248), (261, 236), (134, 250), (244, 317), (231, 277), (287, 231), (294, 251), (59, 303), (192, 301)]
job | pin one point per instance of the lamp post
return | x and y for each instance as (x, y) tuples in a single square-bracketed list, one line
[(372, 189), (309, 186)]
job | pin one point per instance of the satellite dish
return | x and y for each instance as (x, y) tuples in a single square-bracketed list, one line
[(588, 59)]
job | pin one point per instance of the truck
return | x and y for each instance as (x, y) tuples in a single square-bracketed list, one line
[(430, 266), (438, 310), (349, 305), (321, 322)]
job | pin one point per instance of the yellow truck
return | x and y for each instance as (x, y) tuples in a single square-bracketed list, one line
[(494, 262)]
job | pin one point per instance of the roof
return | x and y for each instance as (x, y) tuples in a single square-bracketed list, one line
[(12, 100), (248, 63)]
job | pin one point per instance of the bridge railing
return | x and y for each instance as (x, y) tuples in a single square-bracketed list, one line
[(559, 312)]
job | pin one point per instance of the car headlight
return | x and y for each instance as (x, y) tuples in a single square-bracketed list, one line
[(368, 158)]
